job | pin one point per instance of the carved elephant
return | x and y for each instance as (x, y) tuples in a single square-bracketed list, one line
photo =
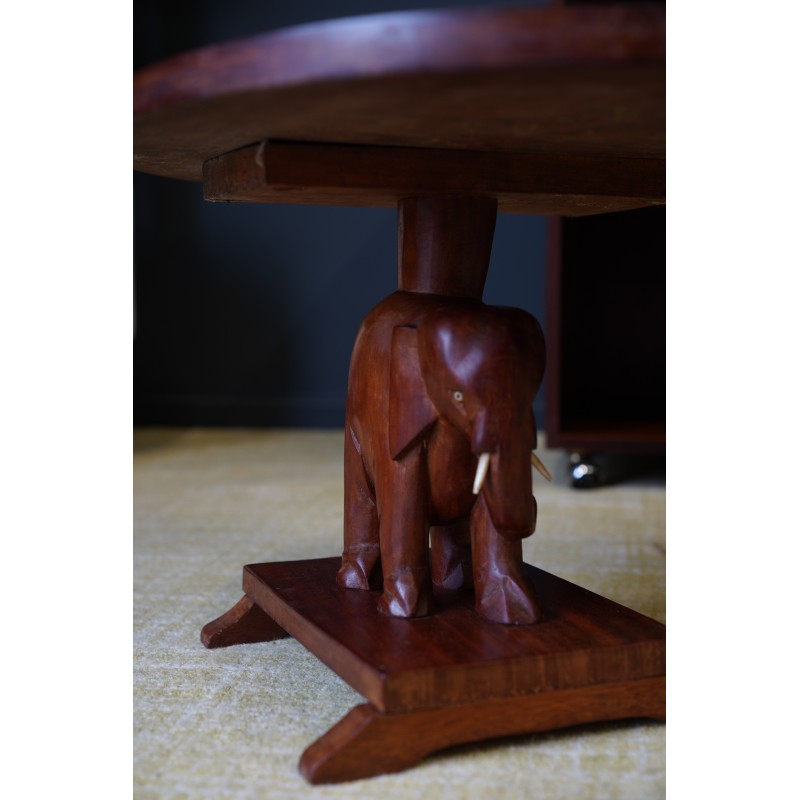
[(441, 388)]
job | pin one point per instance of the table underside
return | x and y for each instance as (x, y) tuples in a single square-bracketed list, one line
[(569, 100)]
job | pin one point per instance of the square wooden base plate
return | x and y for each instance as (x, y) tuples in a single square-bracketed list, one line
[(452, 677)]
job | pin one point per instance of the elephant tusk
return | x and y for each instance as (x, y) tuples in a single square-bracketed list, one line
[(480, 472), (540, 468)]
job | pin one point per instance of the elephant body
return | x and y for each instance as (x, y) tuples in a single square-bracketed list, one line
[(434, 382)]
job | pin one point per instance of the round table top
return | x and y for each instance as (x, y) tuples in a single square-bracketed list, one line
[(586, 80)]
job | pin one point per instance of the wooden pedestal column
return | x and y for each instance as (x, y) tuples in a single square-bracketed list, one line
[(444, 244)]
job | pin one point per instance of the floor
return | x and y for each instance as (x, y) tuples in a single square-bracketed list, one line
[(232, 723)]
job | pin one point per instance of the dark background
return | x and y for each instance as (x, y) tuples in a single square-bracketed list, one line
[(246, 314)]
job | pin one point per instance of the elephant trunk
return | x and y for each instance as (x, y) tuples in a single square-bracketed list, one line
[(505, 478)]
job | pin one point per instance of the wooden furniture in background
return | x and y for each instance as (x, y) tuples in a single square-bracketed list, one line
[(544, 110), (606, 337)]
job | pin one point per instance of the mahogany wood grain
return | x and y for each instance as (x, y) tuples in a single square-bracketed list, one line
[(444, 244), (245, 623), (521, 183), (453, 677), (451, 115), (455, 656), (440, 383), (366, 742), (567, 80)]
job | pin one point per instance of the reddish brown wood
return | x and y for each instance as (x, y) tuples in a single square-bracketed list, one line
[(366, 742), (437, 379), (561, 109), (612, 436), (532, 183), (454, 677), (444, 244), (456, 656), (580, 80), (245, 623)]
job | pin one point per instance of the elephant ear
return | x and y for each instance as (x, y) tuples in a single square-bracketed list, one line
[(411, 412)]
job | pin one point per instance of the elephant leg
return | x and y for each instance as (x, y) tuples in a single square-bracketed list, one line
[(407, 586), (451, 556), (502, 592), (361, 555)]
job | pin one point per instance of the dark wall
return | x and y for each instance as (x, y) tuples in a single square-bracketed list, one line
[(246, 314)]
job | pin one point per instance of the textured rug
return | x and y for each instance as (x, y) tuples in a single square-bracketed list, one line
[(233, 722)]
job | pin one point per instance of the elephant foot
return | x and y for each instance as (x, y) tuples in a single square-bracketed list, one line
[(359, 567), (407, 594), (509, 601), (452, 575), (451, 558)]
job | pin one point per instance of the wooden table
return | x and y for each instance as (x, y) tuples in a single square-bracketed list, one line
[(550, 110), (546, 110)]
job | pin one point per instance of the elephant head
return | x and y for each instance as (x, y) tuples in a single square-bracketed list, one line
[(476, 368)]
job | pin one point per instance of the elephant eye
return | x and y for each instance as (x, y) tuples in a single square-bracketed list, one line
[(458, 397)]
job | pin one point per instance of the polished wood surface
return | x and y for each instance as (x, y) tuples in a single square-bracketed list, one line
[(439, 427), (451, 115), (430, 613), (245, 623), (456, 656), (366, 742), (583, 80), (444, 244), (522, 183), (455, 677)]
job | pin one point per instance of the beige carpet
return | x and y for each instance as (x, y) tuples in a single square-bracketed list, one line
[(232, 723)]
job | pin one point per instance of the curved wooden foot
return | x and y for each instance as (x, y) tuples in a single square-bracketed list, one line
[(362, 744), (245, 623), (367, 742)]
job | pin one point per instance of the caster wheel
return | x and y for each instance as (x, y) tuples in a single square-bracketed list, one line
[(584, 472)]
